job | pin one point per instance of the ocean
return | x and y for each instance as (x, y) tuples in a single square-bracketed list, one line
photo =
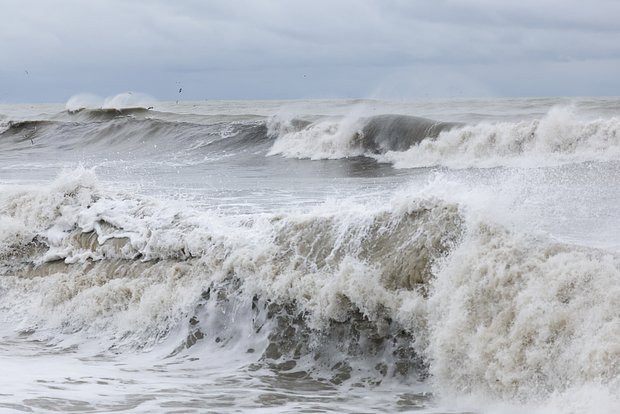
[(348, 256)]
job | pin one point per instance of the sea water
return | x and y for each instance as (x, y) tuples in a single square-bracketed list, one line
[(310, 256)]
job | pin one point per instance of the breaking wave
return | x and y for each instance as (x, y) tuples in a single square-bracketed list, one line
[(411, 289), (343, 138), (410, 142)]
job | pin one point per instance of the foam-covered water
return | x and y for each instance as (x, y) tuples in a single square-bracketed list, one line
[(349, 256)]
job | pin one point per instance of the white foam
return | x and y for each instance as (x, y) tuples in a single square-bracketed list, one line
[(4, 126)]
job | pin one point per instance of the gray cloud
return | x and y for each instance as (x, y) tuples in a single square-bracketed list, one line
[(303, 48)]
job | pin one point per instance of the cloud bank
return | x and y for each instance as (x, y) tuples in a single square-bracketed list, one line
[(308, 49)]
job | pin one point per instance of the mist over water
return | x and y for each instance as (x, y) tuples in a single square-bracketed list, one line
[(350, 256)]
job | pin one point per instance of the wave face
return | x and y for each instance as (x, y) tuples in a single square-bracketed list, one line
[(383, 133)]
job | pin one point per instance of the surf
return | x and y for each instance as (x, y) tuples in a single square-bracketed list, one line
[(267, 247)]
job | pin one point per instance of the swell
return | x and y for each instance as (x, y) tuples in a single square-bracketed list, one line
[(105, 131), (116, 132)]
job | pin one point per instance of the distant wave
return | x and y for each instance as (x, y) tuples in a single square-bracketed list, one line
[(130, 129), (126, 100), (404, 141)]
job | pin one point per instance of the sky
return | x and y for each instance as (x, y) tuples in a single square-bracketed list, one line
[(302, 49)]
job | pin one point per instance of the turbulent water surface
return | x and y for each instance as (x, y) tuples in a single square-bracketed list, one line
[(311, 256)]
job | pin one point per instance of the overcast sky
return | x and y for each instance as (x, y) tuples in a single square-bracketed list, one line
[(281, 49)]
